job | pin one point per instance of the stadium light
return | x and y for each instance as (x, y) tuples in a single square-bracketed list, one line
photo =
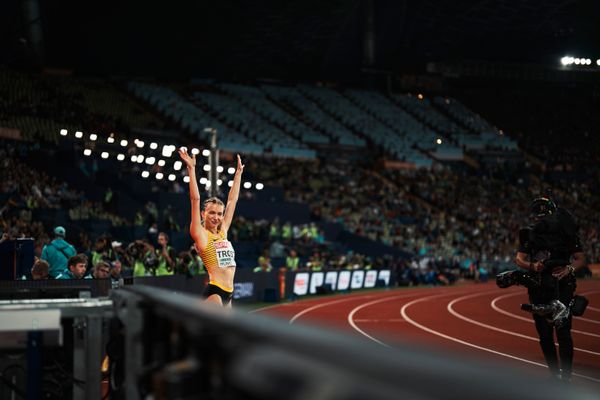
[(159, 176), (150, 160), (104, 155), (247, 185), (167, 151), (145, 174), (420, 96), (172, 177), (186, 179), (206, 167), (140, 159), (153, 145), (565, 60), (577, 61), (195, 151), (78, 134), (139, 143), (588, 61), (161, 163), (219, 168), (438, 141), (93, 137), (219, 182), (230, 183), (110, 139), (120, 157), (134, 158), (124, 143), (87, 152), (259, 186), (63, 132), (598, 61), (208, 184), (231, 170), (203, 180), (206, 152), (177, 165)]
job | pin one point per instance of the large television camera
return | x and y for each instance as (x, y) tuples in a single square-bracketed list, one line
[(555, 312)]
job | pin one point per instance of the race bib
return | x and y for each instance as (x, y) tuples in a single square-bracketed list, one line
[(225, 254)]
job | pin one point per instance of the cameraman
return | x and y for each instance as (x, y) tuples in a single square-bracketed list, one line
[(551, 250)]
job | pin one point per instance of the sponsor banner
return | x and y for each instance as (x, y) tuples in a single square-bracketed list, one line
[(358, 278), (331, 279), (301, 283), (370, 279), (243, 290), (344, 280), (384, 274), (316, 280)]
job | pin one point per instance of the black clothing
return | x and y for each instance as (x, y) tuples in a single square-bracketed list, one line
[(553, 240), (223, 294)]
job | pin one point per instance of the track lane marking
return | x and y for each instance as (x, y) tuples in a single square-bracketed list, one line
[(451, 310), (436, 333)]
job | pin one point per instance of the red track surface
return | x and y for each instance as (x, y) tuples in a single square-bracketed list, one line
[(477, 320)]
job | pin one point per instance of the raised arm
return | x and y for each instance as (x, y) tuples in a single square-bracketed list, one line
[(232, 198), (196, 231)]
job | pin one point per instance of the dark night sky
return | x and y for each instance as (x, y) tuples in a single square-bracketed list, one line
[(297, 39)]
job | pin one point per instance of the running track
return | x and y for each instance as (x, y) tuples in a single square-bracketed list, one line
[(471, 320)]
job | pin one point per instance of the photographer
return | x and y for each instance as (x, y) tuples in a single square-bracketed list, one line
[(550, 250), (166, 256), (138, 252)]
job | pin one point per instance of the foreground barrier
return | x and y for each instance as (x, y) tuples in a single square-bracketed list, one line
[(174, 346)]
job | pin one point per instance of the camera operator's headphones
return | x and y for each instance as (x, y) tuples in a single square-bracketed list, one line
[(541, 207)]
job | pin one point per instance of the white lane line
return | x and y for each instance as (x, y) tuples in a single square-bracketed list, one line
[(529, 320), (315, 307), (434, 332), (379, 320), (352, 323), (451, 310)]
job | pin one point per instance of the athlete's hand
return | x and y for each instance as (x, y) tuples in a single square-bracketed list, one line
[(190, 161), (240, 166)]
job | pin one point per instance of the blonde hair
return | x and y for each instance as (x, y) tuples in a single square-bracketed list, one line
[(212, 200)]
